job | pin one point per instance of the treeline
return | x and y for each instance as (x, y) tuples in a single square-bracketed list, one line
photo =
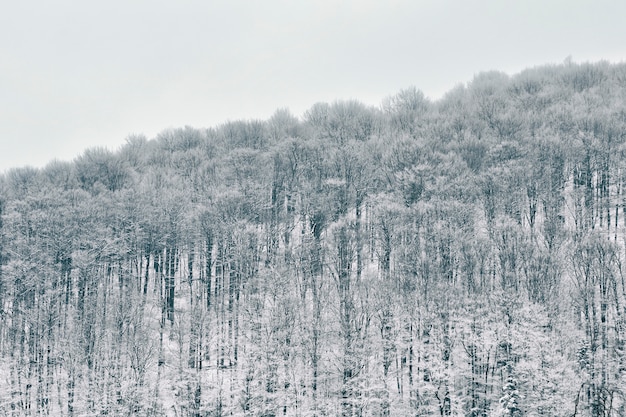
[(454, 257)]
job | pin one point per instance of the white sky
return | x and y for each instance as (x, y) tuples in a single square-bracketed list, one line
[(76, 74)]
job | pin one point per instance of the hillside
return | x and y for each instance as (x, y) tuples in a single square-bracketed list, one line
[(454, 257)]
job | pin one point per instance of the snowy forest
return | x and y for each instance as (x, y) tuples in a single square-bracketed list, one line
[(464, 256)]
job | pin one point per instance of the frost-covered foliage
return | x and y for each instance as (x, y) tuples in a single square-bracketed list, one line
[(453, 257)]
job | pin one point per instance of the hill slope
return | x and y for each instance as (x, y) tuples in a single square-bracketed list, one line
[(458, 257)]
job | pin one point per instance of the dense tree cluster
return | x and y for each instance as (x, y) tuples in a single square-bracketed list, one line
[(454, 257)]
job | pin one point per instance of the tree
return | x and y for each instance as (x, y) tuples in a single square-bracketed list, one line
[(100, 166), (407, 110)]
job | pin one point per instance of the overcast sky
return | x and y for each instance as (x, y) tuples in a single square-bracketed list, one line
[(76, 74)]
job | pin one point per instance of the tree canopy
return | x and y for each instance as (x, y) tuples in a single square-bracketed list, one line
[(460, 256)]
